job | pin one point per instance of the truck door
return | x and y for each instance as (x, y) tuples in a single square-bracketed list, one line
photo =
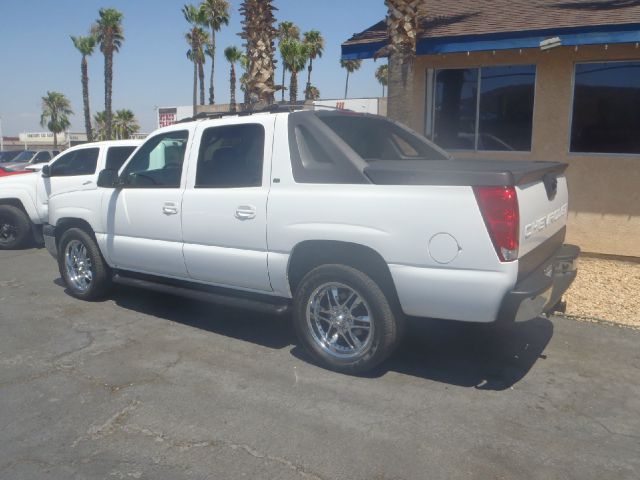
[(142, 218), (73, 170), (224, 209)]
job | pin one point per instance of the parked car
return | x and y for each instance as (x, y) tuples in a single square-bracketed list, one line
[(24, 199), (8, 155), (5, 172), (31, 158), (350, 221)]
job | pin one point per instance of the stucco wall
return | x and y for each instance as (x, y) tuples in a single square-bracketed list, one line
[(605, 189)]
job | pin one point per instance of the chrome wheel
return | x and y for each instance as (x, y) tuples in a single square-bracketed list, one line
[(78, 265), (340, 320), (8, 232)]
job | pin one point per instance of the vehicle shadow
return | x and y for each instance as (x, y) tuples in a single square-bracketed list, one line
[(486, 357), (265, 330)]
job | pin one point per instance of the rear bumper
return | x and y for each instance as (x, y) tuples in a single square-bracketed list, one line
[(49, 234), (542, 289)]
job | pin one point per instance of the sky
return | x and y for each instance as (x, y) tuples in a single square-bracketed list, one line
[(151, 69)]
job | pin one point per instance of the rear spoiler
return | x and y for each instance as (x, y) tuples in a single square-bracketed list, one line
[(461, 172)]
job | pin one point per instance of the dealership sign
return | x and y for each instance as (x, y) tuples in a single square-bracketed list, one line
[(167, 116)]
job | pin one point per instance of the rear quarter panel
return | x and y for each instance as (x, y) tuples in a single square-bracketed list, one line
[(398, 223)]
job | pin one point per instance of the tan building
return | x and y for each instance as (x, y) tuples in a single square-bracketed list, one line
[(533, 80)]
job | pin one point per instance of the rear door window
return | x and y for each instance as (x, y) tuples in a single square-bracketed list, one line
[(231, 157)]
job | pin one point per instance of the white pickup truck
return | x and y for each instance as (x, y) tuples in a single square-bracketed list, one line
[(24, 198), (351, 221)]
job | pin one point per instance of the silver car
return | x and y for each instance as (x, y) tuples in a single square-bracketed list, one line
[(27, 158)]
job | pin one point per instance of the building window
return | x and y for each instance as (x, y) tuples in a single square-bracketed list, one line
[(489, 108), (606, 108)]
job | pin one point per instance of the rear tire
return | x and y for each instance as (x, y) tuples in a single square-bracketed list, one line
[(344, 319), (15, 228), (81, 265)]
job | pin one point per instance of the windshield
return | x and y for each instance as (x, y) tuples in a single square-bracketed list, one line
[(379, 139), (7, 156), (24, 156)]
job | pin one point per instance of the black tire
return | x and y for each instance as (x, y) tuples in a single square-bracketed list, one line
[(100, 282), (15, 228), (385, 319)]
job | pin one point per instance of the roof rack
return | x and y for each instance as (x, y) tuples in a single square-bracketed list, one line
[(274, 108)]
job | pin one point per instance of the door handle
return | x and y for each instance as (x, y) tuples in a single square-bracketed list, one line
[(245, 212), (88, 182), (170, 208)]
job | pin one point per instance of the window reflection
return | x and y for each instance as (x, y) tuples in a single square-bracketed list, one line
[(506, 108), (606, 108), (505, 118), (455, 108)]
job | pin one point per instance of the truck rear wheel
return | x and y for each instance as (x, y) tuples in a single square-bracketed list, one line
[(81, 265), (15, 228), (344, 319)]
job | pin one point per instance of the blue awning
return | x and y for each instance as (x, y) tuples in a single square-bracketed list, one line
[(612, 34)]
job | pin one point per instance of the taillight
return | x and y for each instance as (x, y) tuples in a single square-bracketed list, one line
[(499, 207)]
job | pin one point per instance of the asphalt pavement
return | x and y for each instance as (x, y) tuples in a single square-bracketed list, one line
[(149, 386)]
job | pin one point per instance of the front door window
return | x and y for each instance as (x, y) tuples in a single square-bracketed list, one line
[(158, 163)]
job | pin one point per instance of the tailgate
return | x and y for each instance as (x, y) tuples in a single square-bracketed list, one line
[(543, 208)]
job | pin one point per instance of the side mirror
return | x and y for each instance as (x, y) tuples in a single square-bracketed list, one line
[(46, 171), (108, 179)]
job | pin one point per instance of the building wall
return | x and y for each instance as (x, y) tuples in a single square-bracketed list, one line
[(605, 189)]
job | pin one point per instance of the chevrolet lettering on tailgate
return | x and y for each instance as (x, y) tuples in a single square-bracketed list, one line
[(545, 221)]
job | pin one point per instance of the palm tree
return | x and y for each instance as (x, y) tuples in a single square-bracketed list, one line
[(85, 46), (233, 56), (382, 75), (216, 13), (294, 55), (259, 34), (109, 35), (125, 124), (313, 92), (100, 119), (315, 43), (201, 58), (350, 66), (195, 38), (403, 25), (286, 31), (244, 63), (55, 114)]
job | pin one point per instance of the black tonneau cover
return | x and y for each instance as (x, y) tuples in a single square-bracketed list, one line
[(460, 172)]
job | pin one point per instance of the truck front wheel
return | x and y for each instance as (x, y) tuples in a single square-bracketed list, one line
[(15, 228), (81, 265), (344, 319)]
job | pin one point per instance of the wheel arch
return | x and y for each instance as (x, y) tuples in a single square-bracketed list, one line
[(17, 202), (64, 224), (310, 254)]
